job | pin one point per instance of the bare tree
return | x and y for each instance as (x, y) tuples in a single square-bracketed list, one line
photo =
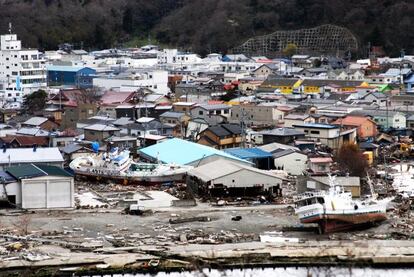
[(23, 224)]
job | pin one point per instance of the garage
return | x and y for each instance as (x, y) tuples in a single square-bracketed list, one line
[(43, 186)]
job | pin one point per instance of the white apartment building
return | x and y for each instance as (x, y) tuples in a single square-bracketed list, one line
[(22, 71), (173, 56), (156, 80)]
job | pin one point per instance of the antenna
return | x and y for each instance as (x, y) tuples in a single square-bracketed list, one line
[(10, 28)]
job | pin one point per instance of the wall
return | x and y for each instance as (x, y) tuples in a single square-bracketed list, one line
[(245, 178), (48, 192), (293, 164), (13, 189)]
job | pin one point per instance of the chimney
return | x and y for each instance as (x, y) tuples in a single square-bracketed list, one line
[(34, 147)]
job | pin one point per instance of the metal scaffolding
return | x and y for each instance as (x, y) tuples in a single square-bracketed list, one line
[(324, 39)]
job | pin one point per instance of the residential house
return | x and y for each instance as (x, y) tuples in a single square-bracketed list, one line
[(366, 127), (274, 83), (279, 135), (76, 105), (375, 97), (292, 119), (184, 107), (112, 99), (222, 136), (329, 135), (320, 165), (15, 141), (40, 122), (385, 119), (265, 70), (100, 132), (310, 183), (256, 115), (213, 114)]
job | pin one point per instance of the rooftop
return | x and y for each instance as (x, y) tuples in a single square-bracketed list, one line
[(182, 152), (28, 155)]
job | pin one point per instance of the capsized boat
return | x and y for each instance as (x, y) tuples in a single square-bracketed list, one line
[(335, 210), (119, 166)]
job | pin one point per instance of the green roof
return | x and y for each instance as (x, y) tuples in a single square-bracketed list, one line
[(30, 171), (54, 170)]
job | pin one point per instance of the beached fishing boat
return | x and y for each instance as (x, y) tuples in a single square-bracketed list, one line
[(335, 210), (119, 166)]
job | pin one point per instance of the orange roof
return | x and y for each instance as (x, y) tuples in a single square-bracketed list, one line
[(352, 120)]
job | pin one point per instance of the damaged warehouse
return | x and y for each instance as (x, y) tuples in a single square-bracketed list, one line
[(224, 178)]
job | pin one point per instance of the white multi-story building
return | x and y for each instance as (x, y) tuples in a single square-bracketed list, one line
[(173, 56), (22, 71), (156, 80)]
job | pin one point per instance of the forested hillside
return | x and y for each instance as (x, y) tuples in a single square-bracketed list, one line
[(202, 25)]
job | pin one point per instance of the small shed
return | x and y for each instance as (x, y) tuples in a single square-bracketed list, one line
[(39, 187)]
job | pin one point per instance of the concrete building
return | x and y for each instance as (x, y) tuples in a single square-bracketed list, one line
[(156, 80), (38, 187), (173, 56), (22, 71), (256, 115)]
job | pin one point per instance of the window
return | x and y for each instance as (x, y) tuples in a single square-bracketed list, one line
[(315, 132), (200, 112)]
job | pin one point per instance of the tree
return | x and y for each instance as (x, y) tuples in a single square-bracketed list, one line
[(351, 160), (290, 50), (35, 101)]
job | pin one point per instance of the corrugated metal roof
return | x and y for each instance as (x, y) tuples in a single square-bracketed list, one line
[(220, 168), (35, 121), (53, 170), (30, 171), (248, 153), (25, 171), (182, 152), (27, 155)]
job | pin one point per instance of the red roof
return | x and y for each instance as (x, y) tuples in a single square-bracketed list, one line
[(25, 140), (116, 97), (351, 120)]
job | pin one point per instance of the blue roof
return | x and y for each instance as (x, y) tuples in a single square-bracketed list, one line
[(315, 125), (248, 153), (66, 68), (182, 152)]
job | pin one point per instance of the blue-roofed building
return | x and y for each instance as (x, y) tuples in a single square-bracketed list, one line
[(261, 158), (71, 76), (330, 135), (185, 153)]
